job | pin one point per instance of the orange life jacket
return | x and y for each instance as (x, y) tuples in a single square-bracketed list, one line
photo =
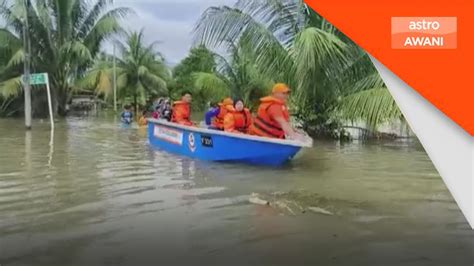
[(142, 121), (218, 121), (238, 121), (181, 113), (264, 125)]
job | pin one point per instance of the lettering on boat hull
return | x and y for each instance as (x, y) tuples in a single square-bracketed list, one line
[(168, 134)]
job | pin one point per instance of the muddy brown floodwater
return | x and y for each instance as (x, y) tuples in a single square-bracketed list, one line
[(98, 194)]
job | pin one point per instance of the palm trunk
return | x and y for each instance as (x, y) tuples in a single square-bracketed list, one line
[(62, 102), (135, 104), (55, 88)]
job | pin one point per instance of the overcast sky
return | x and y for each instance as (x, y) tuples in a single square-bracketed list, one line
[(168, 21)]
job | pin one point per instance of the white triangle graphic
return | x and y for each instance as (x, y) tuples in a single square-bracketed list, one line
[(450, 148)]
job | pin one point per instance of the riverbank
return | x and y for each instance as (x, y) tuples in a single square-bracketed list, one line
[(100, 195)]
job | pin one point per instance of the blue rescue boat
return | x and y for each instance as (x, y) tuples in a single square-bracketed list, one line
[(214, 145)]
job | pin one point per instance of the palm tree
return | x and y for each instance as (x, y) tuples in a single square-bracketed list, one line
[(141, 72), (365, 97), (199, 59), (65, 35), (98, 78), (238, 77), (9, 82), (10, 86), (288, 45), (373, 106), (293, 44)]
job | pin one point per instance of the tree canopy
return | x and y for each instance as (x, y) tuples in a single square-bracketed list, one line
[(199, 60)]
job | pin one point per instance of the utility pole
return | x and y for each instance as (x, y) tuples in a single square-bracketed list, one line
[(115, 84), (26, 66)]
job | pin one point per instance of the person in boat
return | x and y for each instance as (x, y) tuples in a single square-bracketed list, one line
[(166, 110), (156, 112), (219, 113), (273, 119), (157, 102), (126, 116), (181, 110), (163, 109), (239, 119), (142, 120), (211, 113), (156, 106)]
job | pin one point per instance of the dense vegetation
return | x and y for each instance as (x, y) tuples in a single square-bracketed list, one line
[(65, 36), (240, 51), (333, 79), (199, 60)]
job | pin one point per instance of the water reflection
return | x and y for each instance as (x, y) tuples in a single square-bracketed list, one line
[(51, 147), (28, 150)]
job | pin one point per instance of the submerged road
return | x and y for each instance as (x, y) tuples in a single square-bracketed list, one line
[(97, 194)]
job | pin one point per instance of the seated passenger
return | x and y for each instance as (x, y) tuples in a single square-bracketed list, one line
[(156, 113), (272, 118), (211, 113), (166, 110), (156, 108), (223, 107), (181, 111), (239, 119), (157, 102)]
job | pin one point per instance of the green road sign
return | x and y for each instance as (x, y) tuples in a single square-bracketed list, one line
[(36, 79)]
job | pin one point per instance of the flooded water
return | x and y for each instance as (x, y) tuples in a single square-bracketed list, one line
[(98, 194)]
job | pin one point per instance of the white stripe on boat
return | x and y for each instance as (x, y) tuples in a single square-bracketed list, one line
[(296, 143)]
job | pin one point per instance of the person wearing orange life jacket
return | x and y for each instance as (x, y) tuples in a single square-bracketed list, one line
[(224, 107), (273, 118), (142, 120), (239, 119), (181, 112)]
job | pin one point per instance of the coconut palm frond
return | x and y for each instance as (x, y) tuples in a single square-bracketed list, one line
[(10, 88), (312, 50), (17, 58), (9, 39), (374, 106), (155, 83), (220, 26), (210, 85), (283, 18)]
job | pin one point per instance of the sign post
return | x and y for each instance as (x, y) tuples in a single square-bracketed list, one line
[(42, 79), (50, 104)]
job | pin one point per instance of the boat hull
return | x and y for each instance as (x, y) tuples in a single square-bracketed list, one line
[(211, 145)]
